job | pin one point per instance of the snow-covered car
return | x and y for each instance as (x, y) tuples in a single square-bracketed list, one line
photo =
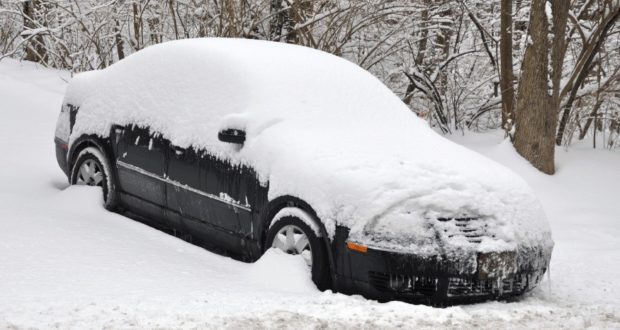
[(244, 145)]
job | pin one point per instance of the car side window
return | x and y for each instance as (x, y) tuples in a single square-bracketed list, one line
[(183, 166), (144, 149), (222, 179)]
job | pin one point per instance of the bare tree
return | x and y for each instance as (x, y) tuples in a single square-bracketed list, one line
[(538, 98), (591, 45), (35, 45), (506, 80)]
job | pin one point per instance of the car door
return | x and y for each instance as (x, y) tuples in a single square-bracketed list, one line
[(186, 203), (232, 190), (196, 199), (141, 165)]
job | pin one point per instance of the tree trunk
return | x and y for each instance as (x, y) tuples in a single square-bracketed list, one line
[(35, 47), (506, 74), (137, 27), (593, 114), (118, 40), (424, 35), (419, 59), (174, 19), (279, 18), (539, 89)]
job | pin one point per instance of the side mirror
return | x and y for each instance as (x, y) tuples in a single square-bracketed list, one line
[(232, 135)]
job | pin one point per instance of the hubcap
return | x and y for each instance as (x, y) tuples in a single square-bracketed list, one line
[(90, 173), (292, 240)]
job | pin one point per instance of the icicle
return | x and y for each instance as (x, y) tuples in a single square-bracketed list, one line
[(500, 286)]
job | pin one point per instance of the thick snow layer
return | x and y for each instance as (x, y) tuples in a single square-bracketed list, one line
[(299, 214), (65, 262), (318, 128)]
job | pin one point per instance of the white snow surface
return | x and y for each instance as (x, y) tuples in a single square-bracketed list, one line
[(299, 214), (67, 263), (318, 128)]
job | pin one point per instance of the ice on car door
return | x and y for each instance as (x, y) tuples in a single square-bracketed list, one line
[(198, 197), (183, 191), (206, 191), (141, 161), (233, 190)]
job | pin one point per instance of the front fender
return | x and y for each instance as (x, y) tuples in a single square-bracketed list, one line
[(275, 205)]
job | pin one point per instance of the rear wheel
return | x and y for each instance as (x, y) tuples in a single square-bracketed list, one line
[(295, 237), (92, 168)]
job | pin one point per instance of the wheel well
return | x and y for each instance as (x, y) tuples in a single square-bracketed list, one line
[(83, 143), (290, 201), (280, 203)]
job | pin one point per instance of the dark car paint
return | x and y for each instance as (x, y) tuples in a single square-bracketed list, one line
[(177, 190), (182, 189), (62, 148), (204, 224), (428, 279)]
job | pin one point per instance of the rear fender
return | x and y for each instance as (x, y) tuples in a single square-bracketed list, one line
[(89, 141)]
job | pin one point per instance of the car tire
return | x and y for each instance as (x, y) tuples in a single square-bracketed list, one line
[(318, 259), (92, 168)]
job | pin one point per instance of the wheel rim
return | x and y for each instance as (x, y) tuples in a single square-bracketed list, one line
[(90, 174), (292, 240)]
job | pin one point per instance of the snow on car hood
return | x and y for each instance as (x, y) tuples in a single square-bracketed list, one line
[(319, 128)]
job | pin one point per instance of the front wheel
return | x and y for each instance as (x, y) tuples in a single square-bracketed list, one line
[(295, 237), (92, 168)]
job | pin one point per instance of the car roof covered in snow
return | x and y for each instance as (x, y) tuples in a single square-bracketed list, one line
[(190, 88), (318, 127)]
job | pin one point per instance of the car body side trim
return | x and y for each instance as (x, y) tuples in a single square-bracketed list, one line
[(182, 186)]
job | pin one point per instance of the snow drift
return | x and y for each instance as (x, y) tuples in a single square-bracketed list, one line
[(322, 129)]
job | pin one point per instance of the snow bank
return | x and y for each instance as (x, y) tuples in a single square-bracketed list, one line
[(277, 271), (319, 128)]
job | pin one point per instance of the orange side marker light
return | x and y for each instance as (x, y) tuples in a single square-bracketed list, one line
[(357, 247)]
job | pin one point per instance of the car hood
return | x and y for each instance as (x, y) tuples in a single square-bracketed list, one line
[(402, 187)]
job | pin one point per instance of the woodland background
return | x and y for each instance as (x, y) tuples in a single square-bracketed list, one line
[(547, 72)]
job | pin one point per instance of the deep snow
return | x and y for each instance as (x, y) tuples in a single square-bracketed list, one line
[(66, 262)]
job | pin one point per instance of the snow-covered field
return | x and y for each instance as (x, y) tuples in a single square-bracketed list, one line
[(65, 262)]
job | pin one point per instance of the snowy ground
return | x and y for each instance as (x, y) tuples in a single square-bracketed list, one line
[(65, 262)]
